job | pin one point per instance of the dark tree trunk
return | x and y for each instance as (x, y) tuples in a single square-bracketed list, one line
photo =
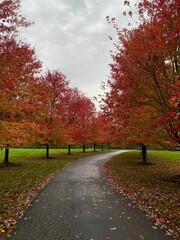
[(84, 148), (94, 147), (6, 157), (144, 153), (102, 147), (47, 151), (69, 149)]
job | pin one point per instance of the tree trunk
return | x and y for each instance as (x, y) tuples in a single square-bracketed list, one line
[(94, 147), (144, 153), (84, 148), (69, 149), (6, 157), (102, 147), (47, 151)]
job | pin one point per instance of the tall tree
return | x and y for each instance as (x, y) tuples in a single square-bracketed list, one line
[(100, 130), (53, 89), (71, 116), (145, 66), (18, 68), (82, 109)]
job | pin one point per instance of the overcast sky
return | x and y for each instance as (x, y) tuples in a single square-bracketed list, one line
[(72, 36)]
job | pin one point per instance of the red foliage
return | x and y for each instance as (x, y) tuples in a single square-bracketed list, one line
[(19, 67), (10, 18), (144, 74), (51, 91)]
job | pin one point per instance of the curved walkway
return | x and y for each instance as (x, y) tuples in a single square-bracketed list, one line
[(80, 204)]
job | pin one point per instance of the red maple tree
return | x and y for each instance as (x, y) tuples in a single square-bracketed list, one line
[(145, 65), (82, 111), (18, 68), (52, 89)]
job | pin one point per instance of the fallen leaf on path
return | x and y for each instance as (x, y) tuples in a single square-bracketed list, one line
[(108, 237), (77, 236)]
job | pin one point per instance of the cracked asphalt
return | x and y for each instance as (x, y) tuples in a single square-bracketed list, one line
[(80, 204)]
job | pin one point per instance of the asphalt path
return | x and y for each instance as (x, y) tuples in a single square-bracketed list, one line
[(80, 204)]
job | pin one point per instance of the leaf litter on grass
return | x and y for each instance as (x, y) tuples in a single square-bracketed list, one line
[(21, 182), (147, 187)]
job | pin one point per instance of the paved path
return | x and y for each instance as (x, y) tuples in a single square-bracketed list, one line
[(79, 204)]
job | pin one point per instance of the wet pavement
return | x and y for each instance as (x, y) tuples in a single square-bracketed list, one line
[(80, 204)]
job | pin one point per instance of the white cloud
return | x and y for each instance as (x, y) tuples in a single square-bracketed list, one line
[(72, 36)]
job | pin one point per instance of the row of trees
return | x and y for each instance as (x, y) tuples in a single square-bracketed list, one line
[(141, 104), (142, 99), (38, 108)]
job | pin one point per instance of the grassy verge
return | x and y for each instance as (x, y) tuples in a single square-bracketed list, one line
[(20, 182), (154, 187)]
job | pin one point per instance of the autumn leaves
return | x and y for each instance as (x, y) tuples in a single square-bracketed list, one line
[(144, 100), (35, 107), (141, 105)]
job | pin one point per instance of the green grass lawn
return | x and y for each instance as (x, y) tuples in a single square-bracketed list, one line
[(29, 172), (154, 187)]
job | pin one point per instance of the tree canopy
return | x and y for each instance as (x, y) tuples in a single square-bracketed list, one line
[(143, 99)]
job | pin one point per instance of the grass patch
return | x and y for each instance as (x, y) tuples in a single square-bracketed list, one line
[(29, 173), (154, 187)]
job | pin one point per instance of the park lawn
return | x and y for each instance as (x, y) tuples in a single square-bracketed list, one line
[(154, 187), (29, 173)]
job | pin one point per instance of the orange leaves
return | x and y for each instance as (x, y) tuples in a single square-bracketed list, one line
[(144, 68), (36, 108), (17, 73), (11, 19), (18, 66), (64, 113)]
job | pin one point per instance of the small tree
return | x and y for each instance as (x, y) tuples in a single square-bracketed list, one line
[(52, 90)]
